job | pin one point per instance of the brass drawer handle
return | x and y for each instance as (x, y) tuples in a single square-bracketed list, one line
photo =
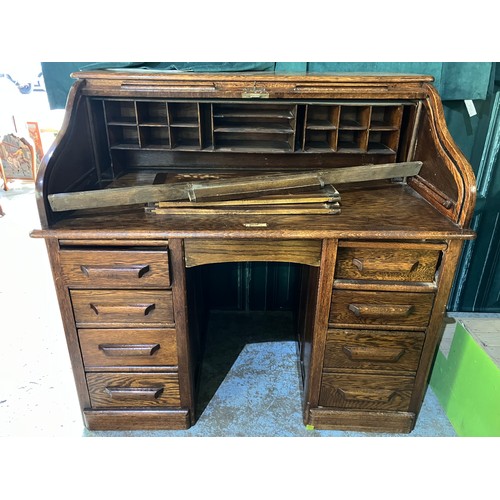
[(391, 311), (371, 265), (136, 393), (103, 271), (375, 396), (373, 354), (141, 309), (129, 349)]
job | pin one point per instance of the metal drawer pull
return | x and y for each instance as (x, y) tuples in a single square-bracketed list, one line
[(142, 309), (373, 354), (142, 393), (380, 396), (129, 349), (370, 311), (387, 267), (103, 271)]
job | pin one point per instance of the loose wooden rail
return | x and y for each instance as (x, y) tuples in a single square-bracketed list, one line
[(213, 189)]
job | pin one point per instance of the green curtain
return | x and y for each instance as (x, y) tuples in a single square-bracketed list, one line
[(454, 80), (57, 78)]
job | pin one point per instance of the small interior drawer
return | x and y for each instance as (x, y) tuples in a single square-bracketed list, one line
[(122, 308), (373, 350), (117, 268), (133, 389), (403, 309), (386, 263), (128, 347), (366, 392)]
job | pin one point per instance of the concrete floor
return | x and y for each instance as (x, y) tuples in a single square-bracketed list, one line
[(255, 392)]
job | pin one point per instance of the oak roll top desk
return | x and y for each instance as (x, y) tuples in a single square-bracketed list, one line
[(375, 277)]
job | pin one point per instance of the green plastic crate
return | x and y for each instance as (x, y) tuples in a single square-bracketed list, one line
[(467, 384)]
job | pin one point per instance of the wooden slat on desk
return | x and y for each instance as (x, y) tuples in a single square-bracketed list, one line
[(383, 212)]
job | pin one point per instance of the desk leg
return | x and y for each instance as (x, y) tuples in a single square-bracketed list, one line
[(319, 291), (185, 362)]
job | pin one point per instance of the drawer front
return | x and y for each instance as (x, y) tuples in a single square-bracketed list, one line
[(373, 350), (108, 268), (128, 347), (133, 389), (122, 307), (366, 392), (381, 308), (386, 264)]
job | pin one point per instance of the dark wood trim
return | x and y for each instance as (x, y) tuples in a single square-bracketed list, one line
[(111, 420), (460, 210), (209, 251), (322, 300), (435, 328), (179, 289), (362, 421), (245, 232), (189, 77), (69, 325), (43, 176)]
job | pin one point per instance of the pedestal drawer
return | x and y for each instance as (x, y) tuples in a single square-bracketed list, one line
[(380, 262), (128, 347), (133, 389), (366, 392), (373, 350), (115, 268), (381, 308), (122, 307)]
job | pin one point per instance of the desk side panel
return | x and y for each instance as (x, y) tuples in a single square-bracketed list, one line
[(446, 179), (70, 164), (68, 320)]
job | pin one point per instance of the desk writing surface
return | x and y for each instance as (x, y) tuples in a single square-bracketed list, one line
[(366, 212)]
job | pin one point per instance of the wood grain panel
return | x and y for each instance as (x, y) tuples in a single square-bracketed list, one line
[(381, 308), (68, 320), (373, 350), (128, 347), (393, 264), (362, 420), (317, 316), (131, 269), (133, 389), (435, 330), (205, 251), (378, 212), (140, 419), (186, 334), (122, 308), (373, 392)]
